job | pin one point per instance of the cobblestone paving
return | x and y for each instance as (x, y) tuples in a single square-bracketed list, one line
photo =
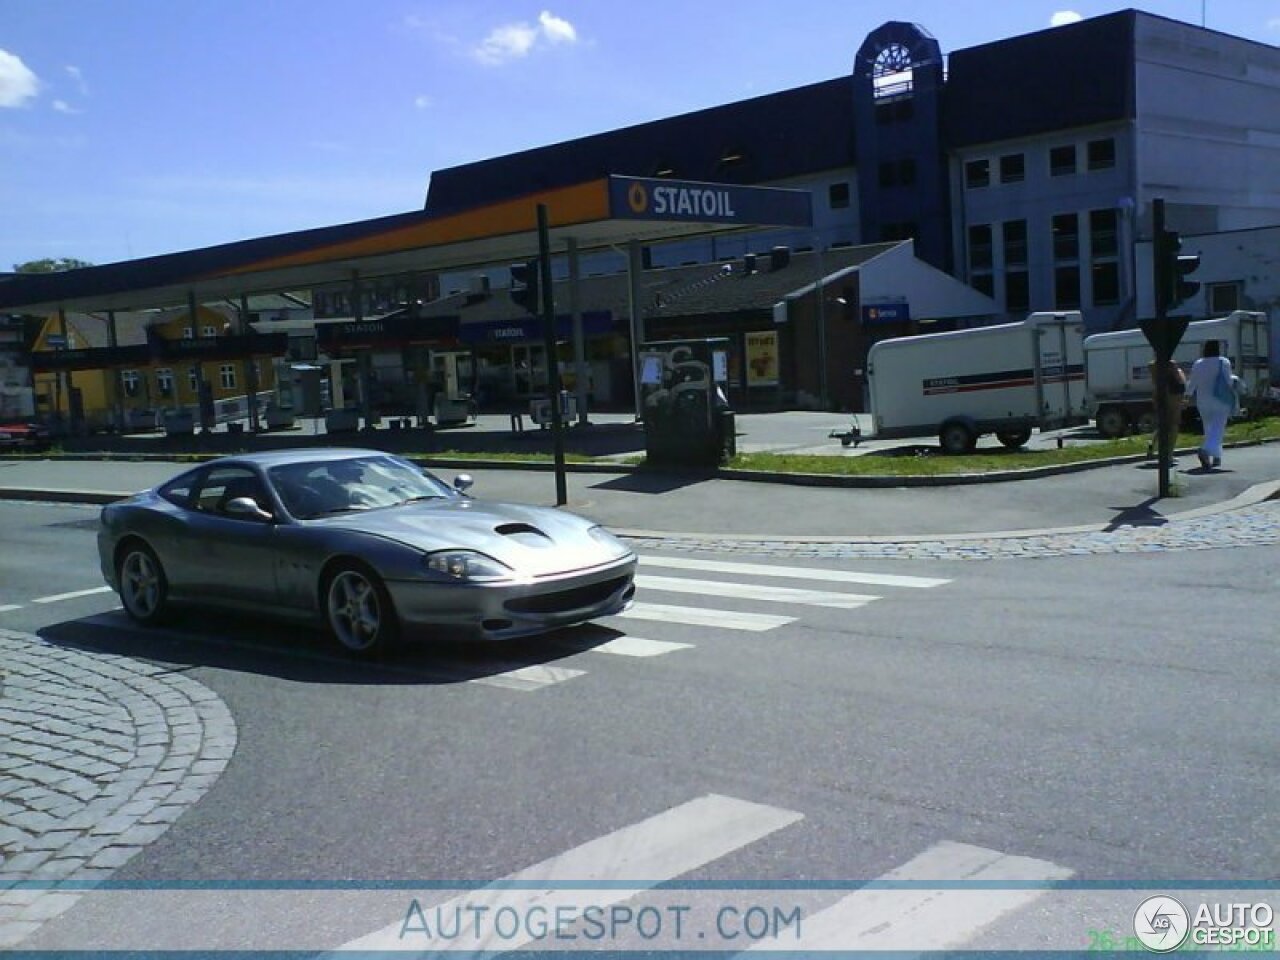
[(99, 754), (1258, 525)]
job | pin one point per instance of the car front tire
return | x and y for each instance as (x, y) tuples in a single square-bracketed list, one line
[(358, 612), (144, 591)]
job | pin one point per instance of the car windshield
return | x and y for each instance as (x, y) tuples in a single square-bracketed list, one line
[(322, 487)]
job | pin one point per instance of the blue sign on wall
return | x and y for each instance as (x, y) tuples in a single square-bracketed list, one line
[(886, 312), (635, 198)]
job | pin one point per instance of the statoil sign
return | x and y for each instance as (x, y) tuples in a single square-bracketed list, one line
[(635, 198)]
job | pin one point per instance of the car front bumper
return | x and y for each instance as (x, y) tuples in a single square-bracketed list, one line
[(501, 611)]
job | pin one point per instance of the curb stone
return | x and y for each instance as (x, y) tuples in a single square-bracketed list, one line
[(80, 793)]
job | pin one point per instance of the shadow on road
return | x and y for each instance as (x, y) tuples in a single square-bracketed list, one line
[(644, 482), (303, 655), (1141, 515)]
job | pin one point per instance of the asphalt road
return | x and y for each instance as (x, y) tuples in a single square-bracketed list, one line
[(1110, 715)]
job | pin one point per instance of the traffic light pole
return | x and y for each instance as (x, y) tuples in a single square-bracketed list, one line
[(548, 311), (1163, 356)]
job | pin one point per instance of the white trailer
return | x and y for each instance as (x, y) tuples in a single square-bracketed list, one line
[(1006, 379), (1118, 372)]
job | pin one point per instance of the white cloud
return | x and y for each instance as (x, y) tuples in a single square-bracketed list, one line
[(1062, 17), (422, 101), (17, 83), (1273, 23), (555, 29), (63, 107), (76, 74), (511, 41)]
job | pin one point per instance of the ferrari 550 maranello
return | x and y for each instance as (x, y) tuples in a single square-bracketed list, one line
[(368, 543)]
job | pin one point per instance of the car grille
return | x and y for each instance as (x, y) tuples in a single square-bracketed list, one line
[(563, 600)]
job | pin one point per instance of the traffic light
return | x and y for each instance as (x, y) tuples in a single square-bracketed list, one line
[(524, 286), (1172, 269)]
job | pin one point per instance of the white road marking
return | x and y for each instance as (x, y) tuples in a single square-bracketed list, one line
[(704, 617), (72, 595), (6, 607), (629, 646), (533, 677), (642, 855), (755, 591), (796, 573), (914, 918)]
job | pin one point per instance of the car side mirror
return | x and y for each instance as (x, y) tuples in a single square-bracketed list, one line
[(463, 482), (246, 508)]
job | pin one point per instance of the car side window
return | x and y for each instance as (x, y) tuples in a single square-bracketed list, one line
[(221, 485), (179, 491)]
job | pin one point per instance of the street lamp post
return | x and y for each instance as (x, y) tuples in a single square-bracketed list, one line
[(820, 291)]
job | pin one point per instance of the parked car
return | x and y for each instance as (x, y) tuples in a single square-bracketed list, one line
[(25, 436), (368, 544)]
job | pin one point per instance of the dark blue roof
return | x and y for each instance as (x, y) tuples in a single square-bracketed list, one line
[(1069, 76), (798, 131)]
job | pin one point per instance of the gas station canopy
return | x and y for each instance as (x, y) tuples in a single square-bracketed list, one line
[(601, 213)]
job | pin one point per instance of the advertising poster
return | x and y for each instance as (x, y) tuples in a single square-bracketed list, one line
[(762, 359)]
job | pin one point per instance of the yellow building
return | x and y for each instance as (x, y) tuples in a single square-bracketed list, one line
[(156, 363)]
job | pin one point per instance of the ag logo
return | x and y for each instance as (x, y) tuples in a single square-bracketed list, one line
[(638, 198), (1161, 924)]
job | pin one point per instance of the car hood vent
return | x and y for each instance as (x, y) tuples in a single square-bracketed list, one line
[(524, 533)]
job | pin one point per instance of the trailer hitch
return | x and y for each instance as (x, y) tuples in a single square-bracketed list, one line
[(850, 437)]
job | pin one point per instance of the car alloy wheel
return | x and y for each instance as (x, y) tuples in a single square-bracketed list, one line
[(359, 612), (143, 589)]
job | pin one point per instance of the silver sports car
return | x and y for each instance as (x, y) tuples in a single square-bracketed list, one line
[(375, 546)]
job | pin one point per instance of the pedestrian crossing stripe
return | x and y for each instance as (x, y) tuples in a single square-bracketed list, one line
[(755, 591), (797, 573), (705, 617), (629, 646)]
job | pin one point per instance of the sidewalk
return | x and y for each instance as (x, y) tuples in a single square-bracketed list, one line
[(652, 504)]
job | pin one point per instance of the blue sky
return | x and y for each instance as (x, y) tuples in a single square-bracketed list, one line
[(140, 127)]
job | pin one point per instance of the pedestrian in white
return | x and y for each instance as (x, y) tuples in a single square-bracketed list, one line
[(1210, 385)]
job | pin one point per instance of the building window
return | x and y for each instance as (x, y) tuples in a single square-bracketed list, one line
[(1062, 161), (977, 173), (1017, 291), (1103, 241), (838, 196), (1106, 283), (188, 333), (1013, 168), (1066, 288), (1222, 297), (208, 331), (193, 379), (980, 247), (984, 283), (1015, 243), (164, 382), (129, 380), (1066, 237), (227, 376), (895, 231), (1102, 154)]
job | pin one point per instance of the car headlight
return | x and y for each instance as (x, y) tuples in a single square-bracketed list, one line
[(466, 565), (603, 537)]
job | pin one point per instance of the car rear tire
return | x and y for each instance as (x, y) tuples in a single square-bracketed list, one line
[(358, 612), (144, 591)]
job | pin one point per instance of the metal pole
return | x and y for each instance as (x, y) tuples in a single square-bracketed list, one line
[(553, 364), (634, 269), (117, 394), (579, 337), (822, 328), (250, 365), (1164, 453)]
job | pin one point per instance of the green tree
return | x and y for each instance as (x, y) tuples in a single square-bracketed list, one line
[(51, 265)]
